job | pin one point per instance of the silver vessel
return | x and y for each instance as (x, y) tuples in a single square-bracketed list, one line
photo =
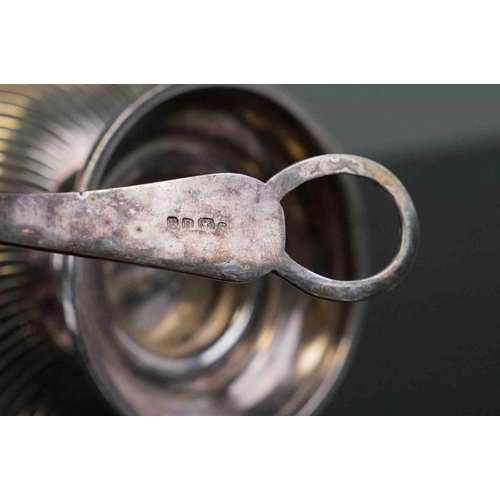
[(83, 336)]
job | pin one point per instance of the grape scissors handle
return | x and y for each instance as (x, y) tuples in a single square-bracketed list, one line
[(229, 227)]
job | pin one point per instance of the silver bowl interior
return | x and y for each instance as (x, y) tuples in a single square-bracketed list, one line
[(155, 342), (162, 343)]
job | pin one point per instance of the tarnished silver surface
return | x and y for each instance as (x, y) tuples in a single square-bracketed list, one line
[(386, 279), (160, 342), (229, 227)]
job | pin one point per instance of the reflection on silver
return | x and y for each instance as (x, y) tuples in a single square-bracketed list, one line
[(46, 135), (261, 348)]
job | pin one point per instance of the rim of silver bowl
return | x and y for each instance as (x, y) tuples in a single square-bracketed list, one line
[(157, 342)]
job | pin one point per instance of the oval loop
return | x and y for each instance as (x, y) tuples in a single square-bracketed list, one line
[(350, 291)]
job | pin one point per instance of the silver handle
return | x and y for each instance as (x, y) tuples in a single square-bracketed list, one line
[(393, 274), (229, 227)]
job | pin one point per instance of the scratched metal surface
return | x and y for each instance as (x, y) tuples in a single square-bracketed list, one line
[(229, 227), (223, 226), (290, 349)]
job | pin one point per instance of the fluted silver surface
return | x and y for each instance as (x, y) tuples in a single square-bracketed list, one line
[(46, 134)]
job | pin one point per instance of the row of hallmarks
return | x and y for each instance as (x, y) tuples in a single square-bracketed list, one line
[(204, 223)]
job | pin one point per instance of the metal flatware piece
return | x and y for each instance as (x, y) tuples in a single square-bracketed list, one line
[(229, 227)]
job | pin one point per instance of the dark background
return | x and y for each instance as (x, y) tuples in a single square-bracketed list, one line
[(432, 346)]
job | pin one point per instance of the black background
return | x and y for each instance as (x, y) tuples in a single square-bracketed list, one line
[(432, 346)]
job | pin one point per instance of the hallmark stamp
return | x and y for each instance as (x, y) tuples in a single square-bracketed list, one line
[(205, 223), (187, 223), (173, 223)]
